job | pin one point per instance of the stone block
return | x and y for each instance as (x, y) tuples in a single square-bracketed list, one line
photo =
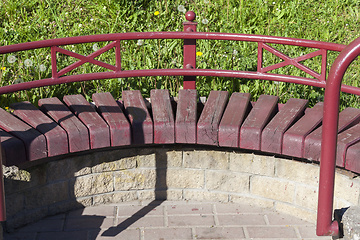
[(272, 188), (185, 178), (46, 195), (18, 180), (121, 164), (15, 222), (135, 179), (68, 168), (115, 197), (92, 184), (205, 196), (253, 164), (253, 201), (147, 158), (351, 223), (299, 212), (306, 197), (227, 181), (36, 214), (297, 171), (15, 203), (206, 159), (347, 188)]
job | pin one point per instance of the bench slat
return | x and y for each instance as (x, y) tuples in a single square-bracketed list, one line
[(294, 138), (109, 109), (347, 118), (163, 117), (250, 132), (234, 115), (56, 137), (208, 124), (13, 149), (352, 161), (140, 120), (272, 135), (346, 139), (98, 129), (185, 124), (34, 141), (78, 135)]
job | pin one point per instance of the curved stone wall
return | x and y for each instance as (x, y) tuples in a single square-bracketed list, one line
[(173, 172)]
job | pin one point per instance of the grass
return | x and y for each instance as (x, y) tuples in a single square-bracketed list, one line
[(23, 21)]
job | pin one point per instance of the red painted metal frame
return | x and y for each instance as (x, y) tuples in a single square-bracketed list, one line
[(325, 225)]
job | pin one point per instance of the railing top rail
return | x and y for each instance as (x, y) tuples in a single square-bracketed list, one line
[(172, 35)]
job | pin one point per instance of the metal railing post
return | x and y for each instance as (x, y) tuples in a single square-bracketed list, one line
[(2, 192), (190, 50)]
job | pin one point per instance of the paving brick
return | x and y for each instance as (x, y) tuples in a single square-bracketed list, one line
[(149, 210), (252, 201), (203, 220), (45, 225), (20, 236), (235, 208), (137, 221), (283, 219), (273, 188), (108, 211), (78, 235), (170, 233), (272, 232), (201, 208), (114, 233), (241, 219), (87, 222), (220, 233), (310, 232)]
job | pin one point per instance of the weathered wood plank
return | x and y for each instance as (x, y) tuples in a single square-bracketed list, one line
[(34, 141), (208, 124), (13, 149), (347, 118), (186, 116), (272, 135), (346, 139), (352, 162), (56, 137), (234, 115), (140, 120), (98, 129), (250, 132), (163, 117), (78, 135), (120, 132), (294, 138)]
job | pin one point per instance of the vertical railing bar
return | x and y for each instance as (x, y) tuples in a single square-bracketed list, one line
[(190, 50), (118, 55), (54, 73), (323, 65), (260, 57)]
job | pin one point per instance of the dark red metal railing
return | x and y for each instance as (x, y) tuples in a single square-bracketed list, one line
[(325, 225)]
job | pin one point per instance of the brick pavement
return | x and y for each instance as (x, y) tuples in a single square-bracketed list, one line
[(167, 220)]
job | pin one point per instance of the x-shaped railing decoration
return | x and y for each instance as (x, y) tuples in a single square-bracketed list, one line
[(84, 59), (293, 61)]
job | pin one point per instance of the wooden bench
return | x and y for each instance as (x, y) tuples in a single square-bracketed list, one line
[(72, 124)]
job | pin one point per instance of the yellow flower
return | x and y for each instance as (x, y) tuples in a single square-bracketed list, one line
[(199, 54), (156, 13), (3, 68), (7, 108)]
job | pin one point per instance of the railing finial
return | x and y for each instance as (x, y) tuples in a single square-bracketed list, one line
[(190, 16)]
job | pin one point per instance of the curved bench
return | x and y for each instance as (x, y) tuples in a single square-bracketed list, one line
[(290, 129)]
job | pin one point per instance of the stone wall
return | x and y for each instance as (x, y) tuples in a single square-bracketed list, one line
[(173, 172)]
